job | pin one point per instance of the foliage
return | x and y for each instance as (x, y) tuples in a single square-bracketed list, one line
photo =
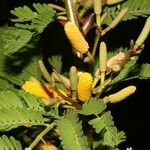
[(64, 119), (9, 143)]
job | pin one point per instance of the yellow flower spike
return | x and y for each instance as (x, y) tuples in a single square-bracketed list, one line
[(40, 90), (85, 86), (121, 95), (76, 38)]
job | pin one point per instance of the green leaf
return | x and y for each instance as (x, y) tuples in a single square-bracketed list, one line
[(5, 85), (9, 143), (32, 101), (111, 135), (15, 117), (38, 19), (15, 39), (93, 106), (145, 71), (71, 134), (9, 99), (125, 71), (20, 73), (23, 13)]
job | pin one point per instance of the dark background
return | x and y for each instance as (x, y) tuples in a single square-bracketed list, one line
[(131, 115)]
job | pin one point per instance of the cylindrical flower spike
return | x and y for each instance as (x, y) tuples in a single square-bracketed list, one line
[(112, 2), (76, 38), (121, 95), (143, 35), (85, 86), (103, 56)]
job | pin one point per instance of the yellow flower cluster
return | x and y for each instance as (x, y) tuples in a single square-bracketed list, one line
[(38, 89), (75, 37), (85, 86)]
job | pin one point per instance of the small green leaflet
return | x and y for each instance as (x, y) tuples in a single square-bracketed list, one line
[(93, 106)]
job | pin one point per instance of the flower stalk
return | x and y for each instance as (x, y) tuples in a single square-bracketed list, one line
[(45, 72)]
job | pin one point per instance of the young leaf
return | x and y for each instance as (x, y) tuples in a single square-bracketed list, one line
[(93, 106), (56, 62), (71, 134)]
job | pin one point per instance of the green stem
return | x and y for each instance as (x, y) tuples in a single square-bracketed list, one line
[(98, 20), (103, 87), (82, 12), (70, 11), (102, 77), (97, 37), (40, 136)]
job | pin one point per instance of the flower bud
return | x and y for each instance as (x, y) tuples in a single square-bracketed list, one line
[(103, 57), (73, 78)]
